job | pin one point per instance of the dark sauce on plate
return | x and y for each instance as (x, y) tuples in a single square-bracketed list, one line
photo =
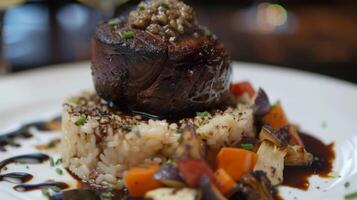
[(21, 177), (324, 156), (40, 186), (23, 132), (16, 177)]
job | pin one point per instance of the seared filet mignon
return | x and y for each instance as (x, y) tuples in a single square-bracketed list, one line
[(144, 72)]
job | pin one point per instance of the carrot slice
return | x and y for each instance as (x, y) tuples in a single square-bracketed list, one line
[(276, 118), (242, 87), (192, 170), (139, 180), (224, 182), (236, 162)]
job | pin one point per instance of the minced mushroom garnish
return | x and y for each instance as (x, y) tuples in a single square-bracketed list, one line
[(167, 18)]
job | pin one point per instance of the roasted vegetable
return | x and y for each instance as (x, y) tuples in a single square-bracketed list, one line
[(173, 194), (192, 170), (236, 161), (139, 180), (297, 156), (242, 87), (271, 161), (254, 186), (169, 176), (209, 191), (190, 146), (277, 119), (280, 137), (224, 181), (261, 103)]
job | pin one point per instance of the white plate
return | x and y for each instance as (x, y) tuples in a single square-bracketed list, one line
[(310, 100)]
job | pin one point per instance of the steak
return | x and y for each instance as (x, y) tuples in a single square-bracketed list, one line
[(148, 74)]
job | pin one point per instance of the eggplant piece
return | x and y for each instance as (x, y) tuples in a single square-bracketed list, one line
[(271, 161), (261, 103), (147, 74), (297, 156), (173, 194), (280, 137), (190, 146), (254, 186), (169, 175), (209, 191)]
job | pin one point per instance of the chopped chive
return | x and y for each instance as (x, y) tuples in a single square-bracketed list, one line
[(165, 5), (51, 145), (59, 171), (277, 103), (351, 196), (55, 188), (80, 121), (126, 34), (126, 128), (58, 161), (10, 140), (347, 184), (207, 32), (74, 100), (141, 7), (27, 167), (45, 192), (52, 162), (202, 114), (247, 146), (114, 22)]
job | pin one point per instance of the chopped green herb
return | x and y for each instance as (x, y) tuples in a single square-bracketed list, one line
[(351, 196), (107, 195), (22, 162), (74, 100), (247, 146), (165, 5), (141, 7), (52, 162), (51, 145), (58, 161), (10, 140), (59, 171), (46, 192), (114, 22), (202, 114), (207, 32), (276, 104), (126, 34), (81, 121), (127, 128), (55, 188), (324, 124), (27, 167), (169, 162), (347, 184)]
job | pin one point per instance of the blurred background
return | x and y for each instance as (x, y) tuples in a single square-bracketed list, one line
[(313, 35)]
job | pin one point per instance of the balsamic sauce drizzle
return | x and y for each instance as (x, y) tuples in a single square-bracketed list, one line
[(21, 177), (25, 159), (16, 177), (23, 132), (44, 185)]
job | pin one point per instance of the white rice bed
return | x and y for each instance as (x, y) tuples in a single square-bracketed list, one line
[(105, 162)]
